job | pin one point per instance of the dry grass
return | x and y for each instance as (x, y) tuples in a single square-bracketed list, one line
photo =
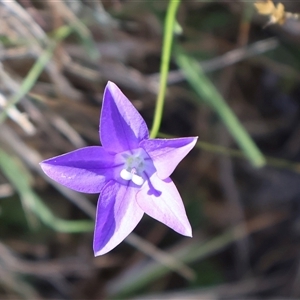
[(55, 59)]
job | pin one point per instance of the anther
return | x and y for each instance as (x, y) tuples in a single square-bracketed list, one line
[(126, 175), (137, 179)]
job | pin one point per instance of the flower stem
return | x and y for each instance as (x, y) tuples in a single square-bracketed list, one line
[(164, 66)]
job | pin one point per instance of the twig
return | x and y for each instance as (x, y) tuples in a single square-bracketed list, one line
[(225, 60), (20, 118)]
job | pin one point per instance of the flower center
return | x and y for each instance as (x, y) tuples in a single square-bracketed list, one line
[(135, 165), (133, 168)]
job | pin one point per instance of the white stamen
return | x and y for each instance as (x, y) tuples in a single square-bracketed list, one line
[(137, 179), (126, 175)]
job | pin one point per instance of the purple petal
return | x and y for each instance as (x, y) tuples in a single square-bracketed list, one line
[(84, 170), (166, 207), (117, 215), (167, 153), (121, 126)]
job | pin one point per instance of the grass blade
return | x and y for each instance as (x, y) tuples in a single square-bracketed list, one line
[(207, 92)]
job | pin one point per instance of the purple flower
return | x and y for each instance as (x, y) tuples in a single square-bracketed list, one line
[(130, 171)]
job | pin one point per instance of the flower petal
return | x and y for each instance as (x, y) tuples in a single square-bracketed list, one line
[(167, 153), (121, 125), (117, 215), (83, 170), (162, 202)]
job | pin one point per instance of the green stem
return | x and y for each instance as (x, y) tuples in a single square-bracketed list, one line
[(164, 66), (27, 83), (208, 93), (19, 178), (35, 71)]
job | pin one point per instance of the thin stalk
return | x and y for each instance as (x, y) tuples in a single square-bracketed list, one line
[(208, 93), (35, 71), (164, 66), (271, 161)]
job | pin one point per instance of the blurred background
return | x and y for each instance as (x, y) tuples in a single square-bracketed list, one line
[(231, 75)]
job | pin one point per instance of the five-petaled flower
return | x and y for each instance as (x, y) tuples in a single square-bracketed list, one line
[(130, 171)]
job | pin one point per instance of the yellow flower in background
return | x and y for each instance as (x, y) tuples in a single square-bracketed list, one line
[(276, 13)]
